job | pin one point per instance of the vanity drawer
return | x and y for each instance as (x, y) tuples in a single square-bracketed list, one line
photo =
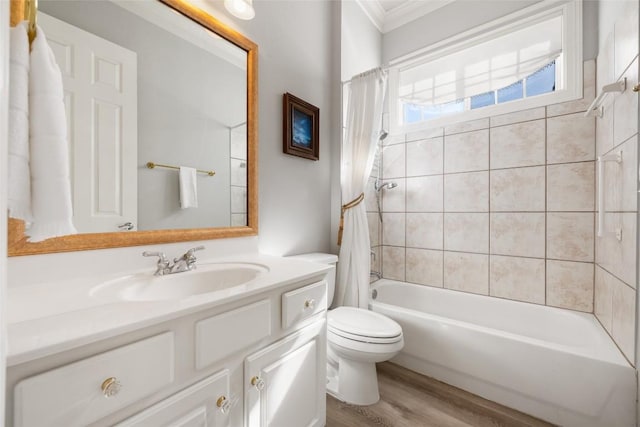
[(303, 303), (220, 336), (75, 394)]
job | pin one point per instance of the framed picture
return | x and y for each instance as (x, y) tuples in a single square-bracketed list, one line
[(301, 128)]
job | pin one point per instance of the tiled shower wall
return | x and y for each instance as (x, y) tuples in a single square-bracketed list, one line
[(502, 206), (617, 131)]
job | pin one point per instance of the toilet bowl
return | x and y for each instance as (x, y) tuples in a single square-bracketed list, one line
[(357, 339)]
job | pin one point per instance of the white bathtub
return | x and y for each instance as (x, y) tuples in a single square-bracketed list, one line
[(558, 365)]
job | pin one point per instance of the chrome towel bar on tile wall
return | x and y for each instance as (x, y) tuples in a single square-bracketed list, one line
[(595, 108), (611, 157)]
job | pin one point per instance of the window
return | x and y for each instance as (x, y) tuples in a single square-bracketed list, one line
[(531, 58)]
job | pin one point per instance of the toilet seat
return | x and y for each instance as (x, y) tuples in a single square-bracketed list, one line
[(362, 325)]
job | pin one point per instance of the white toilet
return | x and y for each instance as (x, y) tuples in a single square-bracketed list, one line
[(356, 340)]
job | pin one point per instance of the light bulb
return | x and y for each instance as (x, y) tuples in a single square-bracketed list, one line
[(242, 9)]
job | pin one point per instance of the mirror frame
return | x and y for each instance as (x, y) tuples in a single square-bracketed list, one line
[(17, 241)]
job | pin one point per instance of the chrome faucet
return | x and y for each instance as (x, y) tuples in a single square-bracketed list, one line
[(186, 262)]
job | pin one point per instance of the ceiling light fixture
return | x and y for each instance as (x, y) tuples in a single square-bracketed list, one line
[(242, 9)]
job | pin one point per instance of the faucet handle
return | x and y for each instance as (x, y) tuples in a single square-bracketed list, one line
[(161, 255), (192, 250)]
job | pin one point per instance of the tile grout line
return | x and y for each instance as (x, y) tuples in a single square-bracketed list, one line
[(546, 212), (489, 210)]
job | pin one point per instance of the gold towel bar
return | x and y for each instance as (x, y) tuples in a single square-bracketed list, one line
[(30, 13), (152, 165)]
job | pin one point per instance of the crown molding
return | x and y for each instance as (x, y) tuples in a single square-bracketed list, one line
[(400, 15), (374, 11)]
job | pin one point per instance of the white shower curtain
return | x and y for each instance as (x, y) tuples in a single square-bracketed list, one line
[(363, 128)]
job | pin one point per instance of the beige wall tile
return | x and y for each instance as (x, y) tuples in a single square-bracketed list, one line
[(604, 128), (425, 134), (239, 199), (624, 319), (570, 236), (393, 229), (393, 139), (466, 272), (238, 220), (570, 285), (467, 126), (466, 232), (605, 73), (625, 107), (516, 278), (424, 267), (466, 152), (466, 192), (370, 196), (373, 220), (603, 297), (588, 93), (571, 138), (520, 144), (518, 234), (394, 199), (376, 259), (393, 161), (425, 157), (618, 256), (620, 186), (424, 230), (626, 38), (570, 187), (424, 194), (520, 189), (518, 116), (393, 261)]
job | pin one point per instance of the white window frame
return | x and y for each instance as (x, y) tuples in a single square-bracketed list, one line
[(571, 75)]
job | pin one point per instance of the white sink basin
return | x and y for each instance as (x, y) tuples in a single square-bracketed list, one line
[(204, 279)]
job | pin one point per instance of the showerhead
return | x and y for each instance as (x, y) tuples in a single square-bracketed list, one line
[(383, 135), (389, 186)]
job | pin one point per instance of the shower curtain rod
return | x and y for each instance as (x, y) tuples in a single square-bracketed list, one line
[(383, 68)]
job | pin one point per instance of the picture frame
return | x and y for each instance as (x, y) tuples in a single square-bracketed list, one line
[(301, 128)]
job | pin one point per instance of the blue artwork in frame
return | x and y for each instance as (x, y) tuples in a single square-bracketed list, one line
[(300, 128)]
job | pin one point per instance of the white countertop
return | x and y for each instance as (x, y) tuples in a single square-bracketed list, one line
[(48, 318)]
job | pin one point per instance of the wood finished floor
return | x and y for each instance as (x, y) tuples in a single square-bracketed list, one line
[(408, 399)]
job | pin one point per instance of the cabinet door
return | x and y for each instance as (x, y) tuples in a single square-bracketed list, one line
[(204, 404), (285, 382)]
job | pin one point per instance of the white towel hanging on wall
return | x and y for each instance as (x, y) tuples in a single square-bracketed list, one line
[(50, 181), (188, 188), (19, 180)]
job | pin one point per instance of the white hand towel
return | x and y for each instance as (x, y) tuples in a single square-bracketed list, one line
[(188, 188), (19, 198), (50, 182)]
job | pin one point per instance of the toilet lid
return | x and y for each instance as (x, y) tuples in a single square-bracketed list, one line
[(363, 323)]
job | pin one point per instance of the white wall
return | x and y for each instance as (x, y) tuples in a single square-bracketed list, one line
[(463, 15), (299, 49), (361, 42), (299, 43), (4, 97)]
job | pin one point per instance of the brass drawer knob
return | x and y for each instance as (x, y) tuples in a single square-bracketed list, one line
[(636, 88), (110, 387), (258, 383), (310, 303), (223, 404)]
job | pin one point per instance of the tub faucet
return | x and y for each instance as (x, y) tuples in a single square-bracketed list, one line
[(375, 274), (186, 262)]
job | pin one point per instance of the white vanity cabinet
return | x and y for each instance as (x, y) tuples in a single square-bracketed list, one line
[(192, 370), (285, 382), (203, 404)]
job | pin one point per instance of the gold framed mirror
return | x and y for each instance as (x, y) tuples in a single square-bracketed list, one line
[(17, 240)]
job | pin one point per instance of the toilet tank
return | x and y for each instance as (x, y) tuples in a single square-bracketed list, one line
[(322, 258)]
